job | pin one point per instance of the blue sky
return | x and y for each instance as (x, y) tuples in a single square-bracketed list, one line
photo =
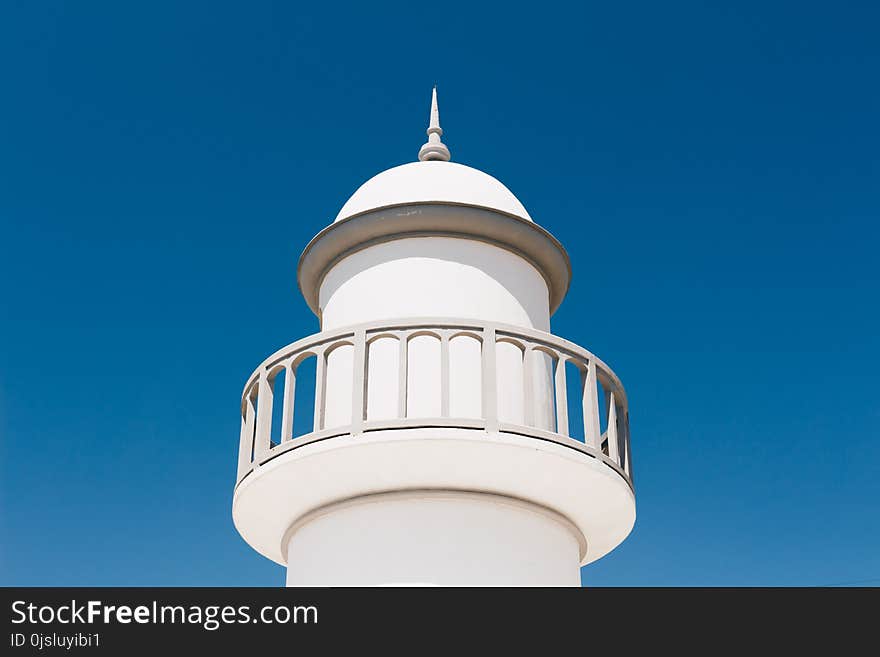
[(712, 171)]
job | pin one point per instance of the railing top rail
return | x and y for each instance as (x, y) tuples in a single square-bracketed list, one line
[(319, 340)]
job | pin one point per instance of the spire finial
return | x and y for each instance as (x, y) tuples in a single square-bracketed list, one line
[(434, 149)]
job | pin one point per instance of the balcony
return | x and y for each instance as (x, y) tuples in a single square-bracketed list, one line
[(432, 373)]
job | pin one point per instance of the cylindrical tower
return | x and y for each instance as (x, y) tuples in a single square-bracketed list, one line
[(455, 440)]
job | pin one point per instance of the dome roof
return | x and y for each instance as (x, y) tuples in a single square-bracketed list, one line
[(432, 181)]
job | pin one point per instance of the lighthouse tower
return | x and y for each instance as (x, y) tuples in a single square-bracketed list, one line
[(455, 440)]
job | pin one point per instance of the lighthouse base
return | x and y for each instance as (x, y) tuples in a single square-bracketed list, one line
[(339, 507), (433, 538)]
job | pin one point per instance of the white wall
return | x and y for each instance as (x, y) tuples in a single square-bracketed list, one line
[(441, 539), (434, 277)]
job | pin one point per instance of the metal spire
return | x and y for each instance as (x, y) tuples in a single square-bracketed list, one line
[(434, 149)]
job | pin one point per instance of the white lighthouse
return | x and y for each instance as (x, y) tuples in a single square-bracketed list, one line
[(455, 439)]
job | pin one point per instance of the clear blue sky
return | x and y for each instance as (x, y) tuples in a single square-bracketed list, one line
[(712, 171)]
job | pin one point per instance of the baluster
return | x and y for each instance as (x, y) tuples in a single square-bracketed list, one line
[(264, 417), (629, 470), (624, 448), (320, 388), (611, 433), (528, 373), (561, 397), (360, 381), (246, 439), (403, 346), (289, 400), (590, 405), (444, 374), (490, 375)]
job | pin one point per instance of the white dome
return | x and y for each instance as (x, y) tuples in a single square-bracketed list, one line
[(423, 182)]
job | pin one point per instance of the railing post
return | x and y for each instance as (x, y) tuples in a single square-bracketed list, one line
[(264, 417), (489, 378), (320, 388), (403, 346), (561, 397), (611, 433), (246, 437), (528, 388), (360, 381), (626, 442), (444, 374), (590, 403), (289, 400)]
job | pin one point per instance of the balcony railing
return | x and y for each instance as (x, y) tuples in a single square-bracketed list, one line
[(539, 382)]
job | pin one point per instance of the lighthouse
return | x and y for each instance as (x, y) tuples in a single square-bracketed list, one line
[(455, 440)]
